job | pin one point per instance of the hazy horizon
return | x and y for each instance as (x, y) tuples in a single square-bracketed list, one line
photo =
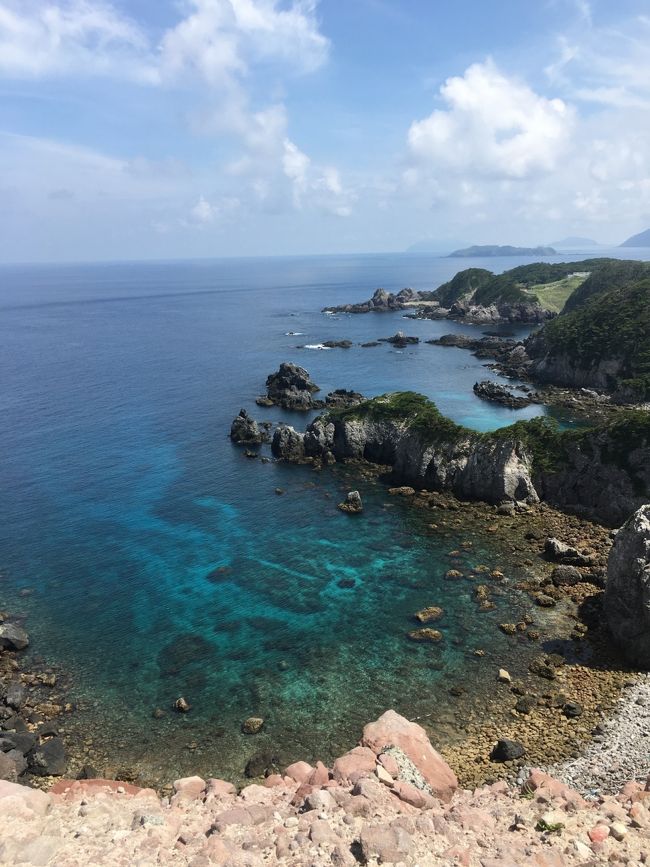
[(141, 130)]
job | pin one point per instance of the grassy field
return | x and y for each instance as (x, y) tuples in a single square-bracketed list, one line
[(553, 296)]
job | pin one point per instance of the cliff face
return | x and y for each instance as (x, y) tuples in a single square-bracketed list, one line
[(528, 312), (601, 474), (601, 479), (469, 466)]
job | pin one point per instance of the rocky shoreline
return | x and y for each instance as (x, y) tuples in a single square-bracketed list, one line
[(390, 800)]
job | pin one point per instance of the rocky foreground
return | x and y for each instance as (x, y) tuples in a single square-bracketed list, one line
[(390, 800)]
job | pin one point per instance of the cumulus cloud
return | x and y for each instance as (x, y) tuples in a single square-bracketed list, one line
[(39, 38), (217, 36), (491, 125)]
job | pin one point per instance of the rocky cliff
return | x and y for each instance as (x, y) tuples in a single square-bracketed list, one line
[(603, 473), (627, 594)]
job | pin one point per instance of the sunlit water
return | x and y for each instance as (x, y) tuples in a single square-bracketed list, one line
[(162, 562)]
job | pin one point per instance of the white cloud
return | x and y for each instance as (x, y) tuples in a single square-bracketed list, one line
[(39, 38), (493, 126), (203, 212), (218, 37)]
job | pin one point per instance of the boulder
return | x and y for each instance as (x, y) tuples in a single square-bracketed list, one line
[(8, 769), (627, 592), (15, 695), (559, 552), (48, 759), (245, 430), (566, 576), (352, 503), (252, 725), (506, 750), (13, 637), (391, 729)]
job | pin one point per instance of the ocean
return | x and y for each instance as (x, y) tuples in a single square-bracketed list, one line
[(151, 559)]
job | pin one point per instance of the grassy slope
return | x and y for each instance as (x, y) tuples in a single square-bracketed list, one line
[(533, 282), (553, 296)]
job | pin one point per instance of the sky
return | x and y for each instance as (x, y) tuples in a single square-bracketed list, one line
[(140, 129)]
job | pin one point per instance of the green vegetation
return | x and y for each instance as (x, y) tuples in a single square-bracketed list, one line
[(551, 827), (417, 412), (553, 296), (547, 283), (605, 275), (464, 283), (613, 326)]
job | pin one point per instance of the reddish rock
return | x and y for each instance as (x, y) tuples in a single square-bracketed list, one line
[(540, 782), (300, 772), (189, 788), (320, 775), (411, 795), (355, 764), (391, 729), (458, 855), (385, 843), (273, 780), (389, 763), (77, 788), (13, 795), (599, 833), (217, 788)]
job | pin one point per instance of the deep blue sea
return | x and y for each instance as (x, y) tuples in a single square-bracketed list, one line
[(121, 494)]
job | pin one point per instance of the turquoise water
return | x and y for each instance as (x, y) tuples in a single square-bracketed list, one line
[(161, 562)]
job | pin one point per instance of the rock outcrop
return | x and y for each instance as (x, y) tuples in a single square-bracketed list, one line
[(291, 387), (469, 465), (246, 431), (503, 394), (381, 302), (602, 473), (400, 340), (627, 592)]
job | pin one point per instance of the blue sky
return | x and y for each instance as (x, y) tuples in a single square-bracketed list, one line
[(157, 128)]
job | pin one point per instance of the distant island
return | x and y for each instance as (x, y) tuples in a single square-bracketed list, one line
[(483, 250), (640, 240), (575, 242)]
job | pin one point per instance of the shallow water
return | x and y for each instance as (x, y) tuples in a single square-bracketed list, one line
[(122, 496)]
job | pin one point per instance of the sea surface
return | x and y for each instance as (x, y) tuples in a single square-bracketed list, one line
[(152, 559)]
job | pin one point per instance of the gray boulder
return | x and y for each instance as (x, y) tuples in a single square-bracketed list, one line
[(15, 695), (48, 759), (627, 592), (13, 637), (246, 430)]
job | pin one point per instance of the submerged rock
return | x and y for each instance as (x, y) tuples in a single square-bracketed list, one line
[(627, 592), (245, 430), (252, 725), (13, 637)]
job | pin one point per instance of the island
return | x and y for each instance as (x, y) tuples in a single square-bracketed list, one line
[(480, 251), (640, 240)]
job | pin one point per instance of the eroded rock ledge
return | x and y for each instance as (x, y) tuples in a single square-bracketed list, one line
[(601, 473)]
